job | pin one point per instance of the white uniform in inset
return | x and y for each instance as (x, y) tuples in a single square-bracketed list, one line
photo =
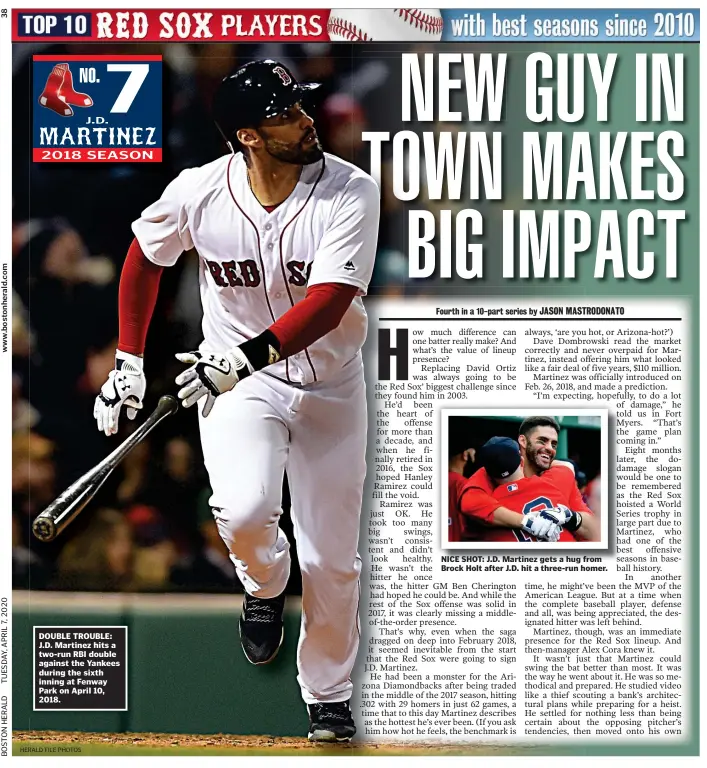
[(305, 414)]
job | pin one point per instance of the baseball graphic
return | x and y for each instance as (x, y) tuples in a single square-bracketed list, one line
[(388, 24)]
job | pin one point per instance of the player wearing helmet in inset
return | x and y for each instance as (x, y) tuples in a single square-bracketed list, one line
[(286, 236)]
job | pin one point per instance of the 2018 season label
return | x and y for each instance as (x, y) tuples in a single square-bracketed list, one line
[(97, 109)]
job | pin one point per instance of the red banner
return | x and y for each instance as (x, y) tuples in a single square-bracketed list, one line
[(169, 26)]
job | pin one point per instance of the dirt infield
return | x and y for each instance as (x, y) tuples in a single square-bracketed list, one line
[(57, 742)]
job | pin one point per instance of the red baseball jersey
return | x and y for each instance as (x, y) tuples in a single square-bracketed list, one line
[(457, 483), (480, 498)]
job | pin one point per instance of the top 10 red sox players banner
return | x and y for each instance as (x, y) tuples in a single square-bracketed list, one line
[(109, 108), (305, 25)]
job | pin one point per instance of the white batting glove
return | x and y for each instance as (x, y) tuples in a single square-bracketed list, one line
[(543, 526), (561, 514), (125, 386), (211, 374), (553, 533), (572, 520)]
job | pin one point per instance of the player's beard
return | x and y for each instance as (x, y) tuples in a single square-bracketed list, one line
[(297, 153), (539, 462)]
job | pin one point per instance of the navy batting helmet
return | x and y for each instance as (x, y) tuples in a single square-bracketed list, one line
[(258, 90), (500, 457)]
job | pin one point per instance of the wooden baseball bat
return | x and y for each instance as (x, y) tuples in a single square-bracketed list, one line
[(52, 521)]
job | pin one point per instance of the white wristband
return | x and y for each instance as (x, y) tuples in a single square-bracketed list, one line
[(124, 361)]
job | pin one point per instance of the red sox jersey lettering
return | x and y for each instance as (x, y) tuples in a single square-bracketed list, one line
[(255, 265)]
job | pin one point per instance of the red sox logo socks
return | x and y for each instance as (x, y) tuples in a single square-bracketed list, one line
[(59, 94)]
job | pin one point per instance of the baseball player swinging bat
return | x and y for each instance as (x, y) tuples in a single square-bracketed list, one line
[(52, 521)]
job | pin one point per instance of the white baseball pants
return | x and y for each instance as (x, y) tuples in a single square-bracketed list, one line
[(318, 434)]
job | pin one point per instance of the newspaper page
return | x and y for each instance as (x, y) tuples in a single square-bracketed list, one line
[(354, 362)]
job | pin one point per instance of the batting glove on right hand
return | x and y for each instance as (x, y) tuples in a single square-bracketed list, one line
[(543, 525), (572, 520), (126, 385), (211, 374), (560, 514)]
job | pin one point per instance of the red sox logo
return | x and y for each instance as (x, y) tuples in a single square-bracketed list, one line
[(282, 74)]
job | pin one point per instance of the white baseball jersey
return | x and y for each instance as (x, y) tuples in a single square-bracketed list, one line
[(256, 265)]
